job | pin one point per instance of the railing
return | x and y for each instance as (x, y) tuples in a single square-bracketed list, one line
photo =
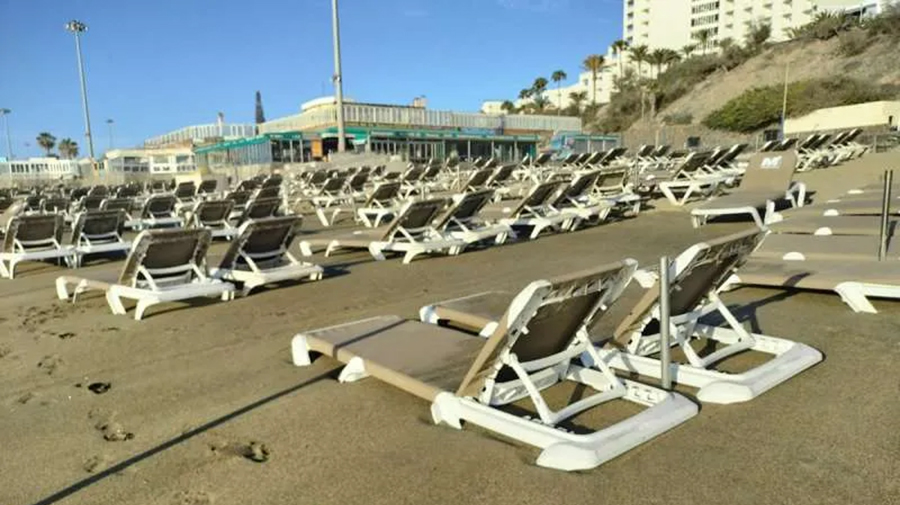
[(202, 132), (413, 117)]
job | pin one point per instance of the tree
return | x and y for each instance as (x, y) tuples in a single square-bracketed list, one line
[(656, 58), (578, 98), (688, 50), (539, 86), (639, 55), (726, 44), (619, 47), (558, 77), (758, 34), (46, 141), (68, 149), (508, 107), (260, 115), (594, 64), (704, 37), (540, 103), (525, 94)]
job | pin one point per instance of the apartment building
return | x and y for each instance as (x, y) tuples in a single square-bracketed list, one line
[(674, 24)]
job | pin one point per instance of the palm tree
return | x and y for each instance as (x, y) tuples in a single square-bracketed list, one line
[(558, 77), (577, 98), (540, 103), (639, 55), (688, 50), (704, 37), (525, 94), (619, 47), (68, 148), (508, 107), (594, 64), (539, 86), (657, 58), (671, 57), (726, 44), (46, 141)]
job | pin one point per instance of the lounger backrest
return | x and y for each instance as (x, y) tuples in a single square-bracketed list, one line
[(580, 186), (465, 208), (786, 144), (821, 142), (207, 186), (272, 181), (97, 224), (260, 208), (767, 146), (544, 319), (166, 253), (239, 197), (99, 191), (478, 179), (92, 202), (852, 136), (538, 196), (809, 141), (213, 212), (33, 203), (250, 185), (413, 174), (733, 153), (383, 193), (334, 184), (432, 172), (159, 206), (269, 192), (644, 151), (128, 191), (358, 181), (54, 204), (125, 204), (771, 171), (185, 190), (693, 276), (418, 215), (609, 180), (502, 174), (263, 239), (35, 230), (78, 194), (840, 139), (541, 160)]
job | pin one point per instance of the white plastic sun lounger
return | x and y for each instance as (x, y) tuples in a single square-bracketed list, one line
[(696, 277), (260, 255), (411, 232), (533, 211), (469, 379), (97, 232), (576, 198), (768, 179), (793, 247), (854, 282), (32, 238), (163, 266), (462, 221), (159, 211), (214, 215)]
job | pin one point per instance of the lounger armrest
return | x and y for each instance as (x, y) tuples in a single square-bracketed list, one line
[(646, 278)]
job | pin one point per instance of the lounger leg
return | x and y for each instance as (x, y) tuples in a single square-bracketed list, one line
[(852, 294), (305, 249), (115, 302), (410, 254), (445, 410), (62, 291), (670, 196), (353, 371), (12, 268), (142, 305), (332, 246), (320, 213), (300, 351), (4, 272), (376, 250)]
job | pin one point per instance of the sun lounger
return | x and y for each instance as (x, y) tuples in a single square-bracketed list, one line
[(98, 232), (158, 211), (469, 379), (163, 266), (855, 282), (695, 278), (576, 198), (411, 232), (462, 221), (260, 208), (767, 180), (838, 225), (32, 238), (811, 247), (214, 216), (533, 211), (260, 255)]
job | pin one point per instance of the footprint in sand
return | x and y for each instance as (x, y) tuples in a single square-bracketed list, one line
[(5, 350), (27, 397), (255, 451), (50, 364), (193, 497), (96, 464), (105, 422)]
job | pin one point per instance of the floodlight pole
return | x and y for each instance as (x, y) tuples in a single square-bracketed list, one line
[(664, 357), (338, 83), (787, 67), (9, 153), (77, 28), (885, 214), (110, 123)]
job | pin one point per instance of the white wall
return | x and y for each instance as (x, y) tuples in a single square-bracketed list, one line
[(850, 116)]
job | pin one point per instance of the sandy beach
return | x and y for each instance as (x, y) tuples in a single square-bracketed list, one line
[(200, 403)]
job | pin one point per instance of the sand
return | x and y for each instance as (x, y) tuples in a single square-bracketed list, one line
[(200, 403)]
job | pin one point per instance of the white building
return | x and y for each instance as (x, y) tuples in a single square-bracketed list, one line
[(202, 133), (674, 24), (48, 169), (163, 161), (863, 115)]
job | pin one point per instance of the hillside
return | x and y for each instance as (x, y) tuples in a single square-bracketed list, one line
[(805, 60)]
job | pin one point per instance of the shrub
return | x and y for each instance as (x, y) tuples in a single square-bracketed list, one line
[(679, 118), (824, 26), (887, 23), (853, 43), (760, 107)]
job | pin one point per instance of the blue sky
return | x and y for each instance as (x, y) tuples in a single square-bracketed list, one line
[(155, 66)]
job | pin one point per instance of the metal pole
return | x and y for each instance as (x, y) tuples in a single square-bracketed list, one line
[(885, 214), (9, 153), (787, 67), (110, 123), (338, 84), (77, 29), (664, 358)]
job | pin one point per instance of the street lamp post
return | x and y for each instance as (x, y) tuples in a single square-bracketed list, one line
[(77, 28), (109, 122), (338, 84), (5, 113)]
